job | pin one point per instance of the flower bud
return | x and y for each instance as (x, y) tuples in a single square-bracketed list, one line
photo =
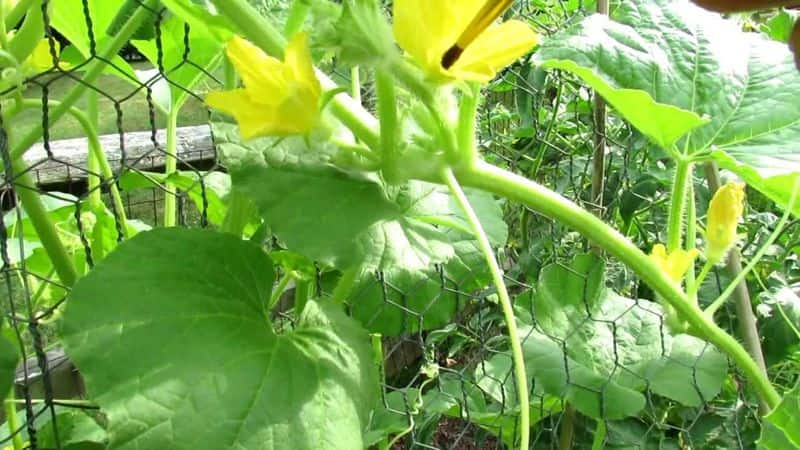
[(724, 212)]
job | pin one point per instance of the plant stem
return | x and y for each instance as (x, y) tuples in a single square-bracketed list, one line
[(297, 16), (387, 112), (345, 285), (537, 197), (3, 37), (240, 209), (378, 358), (254, 26), (566, 430), (278, 290), (95, 150), (599, 435), (467, 113), (694, 287), (683, 171), (94, 68), (170, 167), (92, 164), (355, 84), (29, 198), (16, 13), (230, 79), (691, 234), (505, 302), (302, 292), (93, 180), (11, 421)]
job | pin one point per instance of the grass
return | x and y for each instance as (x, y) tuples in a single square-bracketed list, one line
[(113, 92)]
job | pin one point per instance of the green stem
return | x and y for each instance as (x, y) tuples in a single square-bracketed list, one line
[(12, 422), (378, 358), (45, 229), (355, 84), (95, 150), (345, 285), (387, 111), (566, 431), (505, 302), (716, 304), (467, 112), (230, 79), (17, 13), (599, 435), (297, 16), (278, 291), (540, 199), (170, 167), (302, 292), (240, 209), (683, 171), (93, 180), (3, 37), (694, 287), (691, 233), (255, 27), (92, 164), (108, 49)]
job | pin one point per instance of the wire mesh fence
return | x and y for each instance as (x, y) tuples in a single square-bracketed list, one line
[(446, 371)]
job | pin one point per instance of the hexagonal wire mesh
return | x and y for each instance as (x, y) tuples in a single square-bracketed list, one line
[(446, 371)]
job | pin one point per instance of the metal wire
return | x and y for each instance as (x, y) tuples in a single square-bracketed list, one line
[(440, 385)]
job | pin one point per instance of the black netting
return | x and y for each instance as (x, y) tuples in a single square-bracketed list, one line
[(446, 370)]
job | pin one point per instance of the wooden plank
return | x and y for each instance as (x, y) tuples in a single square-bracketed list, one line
[(68, 160)]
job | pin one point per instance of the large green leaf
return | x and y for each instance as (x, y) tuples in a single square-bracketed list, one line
[(342, 219), (663, 123), (171, 336), (781, 429), (601, 350), (693, 59), (67, 16), (75, 429)]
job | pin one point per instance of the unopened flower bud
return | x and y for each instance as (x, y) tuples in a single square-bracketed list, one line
[(724, 212)]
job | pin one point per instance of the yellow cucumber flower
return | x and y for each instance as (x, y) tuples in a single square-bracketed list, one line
[(674, 264), (278, 98), (724, 212), (458, 39)]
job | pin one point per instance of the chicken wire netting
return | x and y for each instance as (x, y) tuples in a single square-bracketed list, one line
[(446, 371)]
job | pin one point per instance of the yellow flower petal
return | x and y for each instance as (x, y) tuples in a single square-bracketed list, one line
[(261, 74), (426, 29), (40, 59), (298, 59), (253, 118), (278, 98), (674, 264), (493, 50)]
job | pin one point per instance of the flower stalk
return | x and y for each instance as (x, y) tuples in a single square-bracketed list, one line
[(520, 377), (683, 172)]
